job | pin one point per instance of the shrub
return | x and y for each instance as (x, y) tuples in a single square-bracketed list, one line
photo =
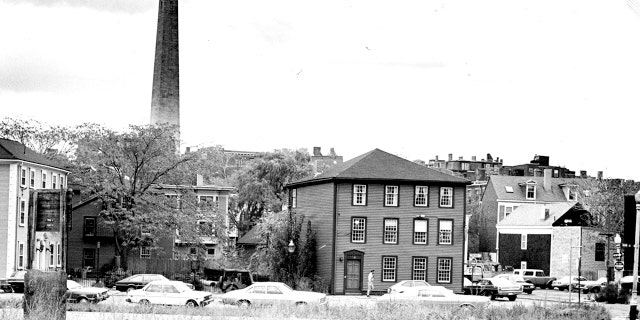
[(611, 294)]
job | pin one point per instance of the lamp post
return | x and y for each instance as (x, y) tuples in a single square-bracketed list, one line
[(633, 304), (291, 248), (618, 241)]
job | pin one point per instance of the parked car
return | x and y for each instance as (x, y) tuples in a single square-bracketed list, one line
[(227, 279), (406, 285), (265, 293), (579, 283), (535, 276), (16, 280), (80, 294), (493, 287), (137, 281), (527, 287), (5, 286), (433, 296), (168, 292)]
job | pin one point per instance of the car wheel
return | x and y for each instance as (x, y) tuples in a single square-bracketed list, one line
[(8, 290), (512, 298), (467, 307), (529, 291), (192, 304), (144, 302), (243, 304), (83, 300), (301, 303)]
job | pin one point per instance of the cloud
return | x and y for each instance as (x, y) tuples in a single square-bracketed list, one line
[(128, 6)]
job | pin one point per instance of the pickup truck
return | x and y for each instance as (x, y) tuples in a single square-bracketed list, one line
[(535, 276)]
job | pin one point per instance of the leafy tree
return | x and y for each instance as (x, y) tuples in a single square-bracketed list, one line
[(128, 172), (478, 238), (604, 199), (261, 183), (54, 142), (277, 229)]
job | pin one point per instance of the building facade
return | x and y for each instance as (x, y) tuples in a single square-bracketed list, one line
[(22, 171), (384, 213)]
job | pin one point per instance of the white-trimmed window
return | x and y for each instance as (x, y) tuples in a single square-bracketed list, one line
[(207, 202), (61, 182), (54, 182), (358, 230), (20, 255), (531, 191), (420, 268), (391, 196), (573, 196), (32, 178), (523, 265), (52, 255), (59, 252), (23, 177), (44, 179), (145, 253), (390, 231), (294, 198), (444, 270), (421, 196), (420, 231), (523, 242), (389, 265), (446, 197), (445, 234), (359, 195), (23, 212)]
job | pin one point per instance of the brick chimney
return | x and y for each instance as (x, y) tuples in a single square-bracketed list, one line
[(199, 180), (316, 152), (473, 158), (547, 179), (450, 156)]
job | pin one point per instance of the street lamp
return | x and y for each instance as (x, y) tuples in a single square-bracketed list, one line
[(291, 247), (633, 304)]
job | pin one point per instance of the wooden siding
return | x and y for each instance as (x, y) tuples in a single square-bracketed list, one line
[(537, 255), (374, 249), (4, 215), (77, 241), (315, 202)]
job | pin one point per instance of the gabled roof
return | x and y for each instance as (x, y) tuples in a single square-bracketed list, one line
[(381, 165), (250, 238), (518, 184), (532, 215), (14, 150)]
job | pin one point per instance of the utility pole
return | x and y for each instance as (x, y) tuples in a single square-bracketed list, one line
[(633, 304)]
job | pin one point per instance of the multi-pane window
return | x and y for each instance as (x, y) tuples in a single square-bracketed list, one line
[(421, 196), (61, 182), (145, 253), (572, 194), (359, 194), (391, 231), (358, 230), (389, 265), (59, 252), (23, 211), (20, 255), (89, 257), (420, 231), (445, 228), (44, 180), (32, 178), (420, 268), (294, 198), (23, 177), (207, 202), (444, 270), (391, 196), (446, 197), (523, 242), (531, 191), (51, 255), (89, 227), (54, 182)]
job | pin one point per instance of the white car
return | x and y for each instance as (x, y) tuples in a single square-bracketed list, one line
[(412, 285), (169, 293), (265, 293), (527, 287), (434, 296)]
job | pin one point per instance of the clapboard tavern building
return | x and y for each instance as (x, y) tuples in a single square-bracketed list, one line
[(382, 212)]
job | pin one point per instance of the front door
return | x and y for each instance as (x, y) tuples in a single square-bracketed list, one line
[(353, 275)]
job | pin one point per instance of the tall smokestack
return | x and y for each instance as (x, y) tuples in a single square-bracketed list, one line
[(165, 93)]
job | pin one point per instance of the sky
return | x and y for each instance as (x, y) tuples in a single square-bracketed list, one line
[(414, 78)]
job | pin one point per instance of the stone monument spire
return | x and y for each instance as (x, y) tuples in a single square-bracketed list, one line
[(165, 95)]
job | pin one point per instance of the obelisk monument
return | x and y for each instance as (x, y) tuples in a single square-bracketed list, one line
[(165, 95)]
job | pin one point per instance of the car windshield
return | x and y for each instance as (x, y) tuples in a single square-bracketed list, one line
[(132, 278), (73, 285), (181, 286), (501, 282), (517, 278)]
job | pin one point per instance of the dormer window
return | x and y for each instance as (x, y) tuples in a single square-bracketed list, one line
[(572, 194), (531, 190), (508, 189)]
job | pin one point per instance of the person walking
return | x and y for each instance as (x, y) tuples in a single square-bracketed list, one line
[(369, 283)]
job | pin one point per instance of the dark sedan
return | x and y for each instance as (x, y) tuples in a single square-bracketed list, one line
[(16, 281), (137, 281), (78, 293)]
